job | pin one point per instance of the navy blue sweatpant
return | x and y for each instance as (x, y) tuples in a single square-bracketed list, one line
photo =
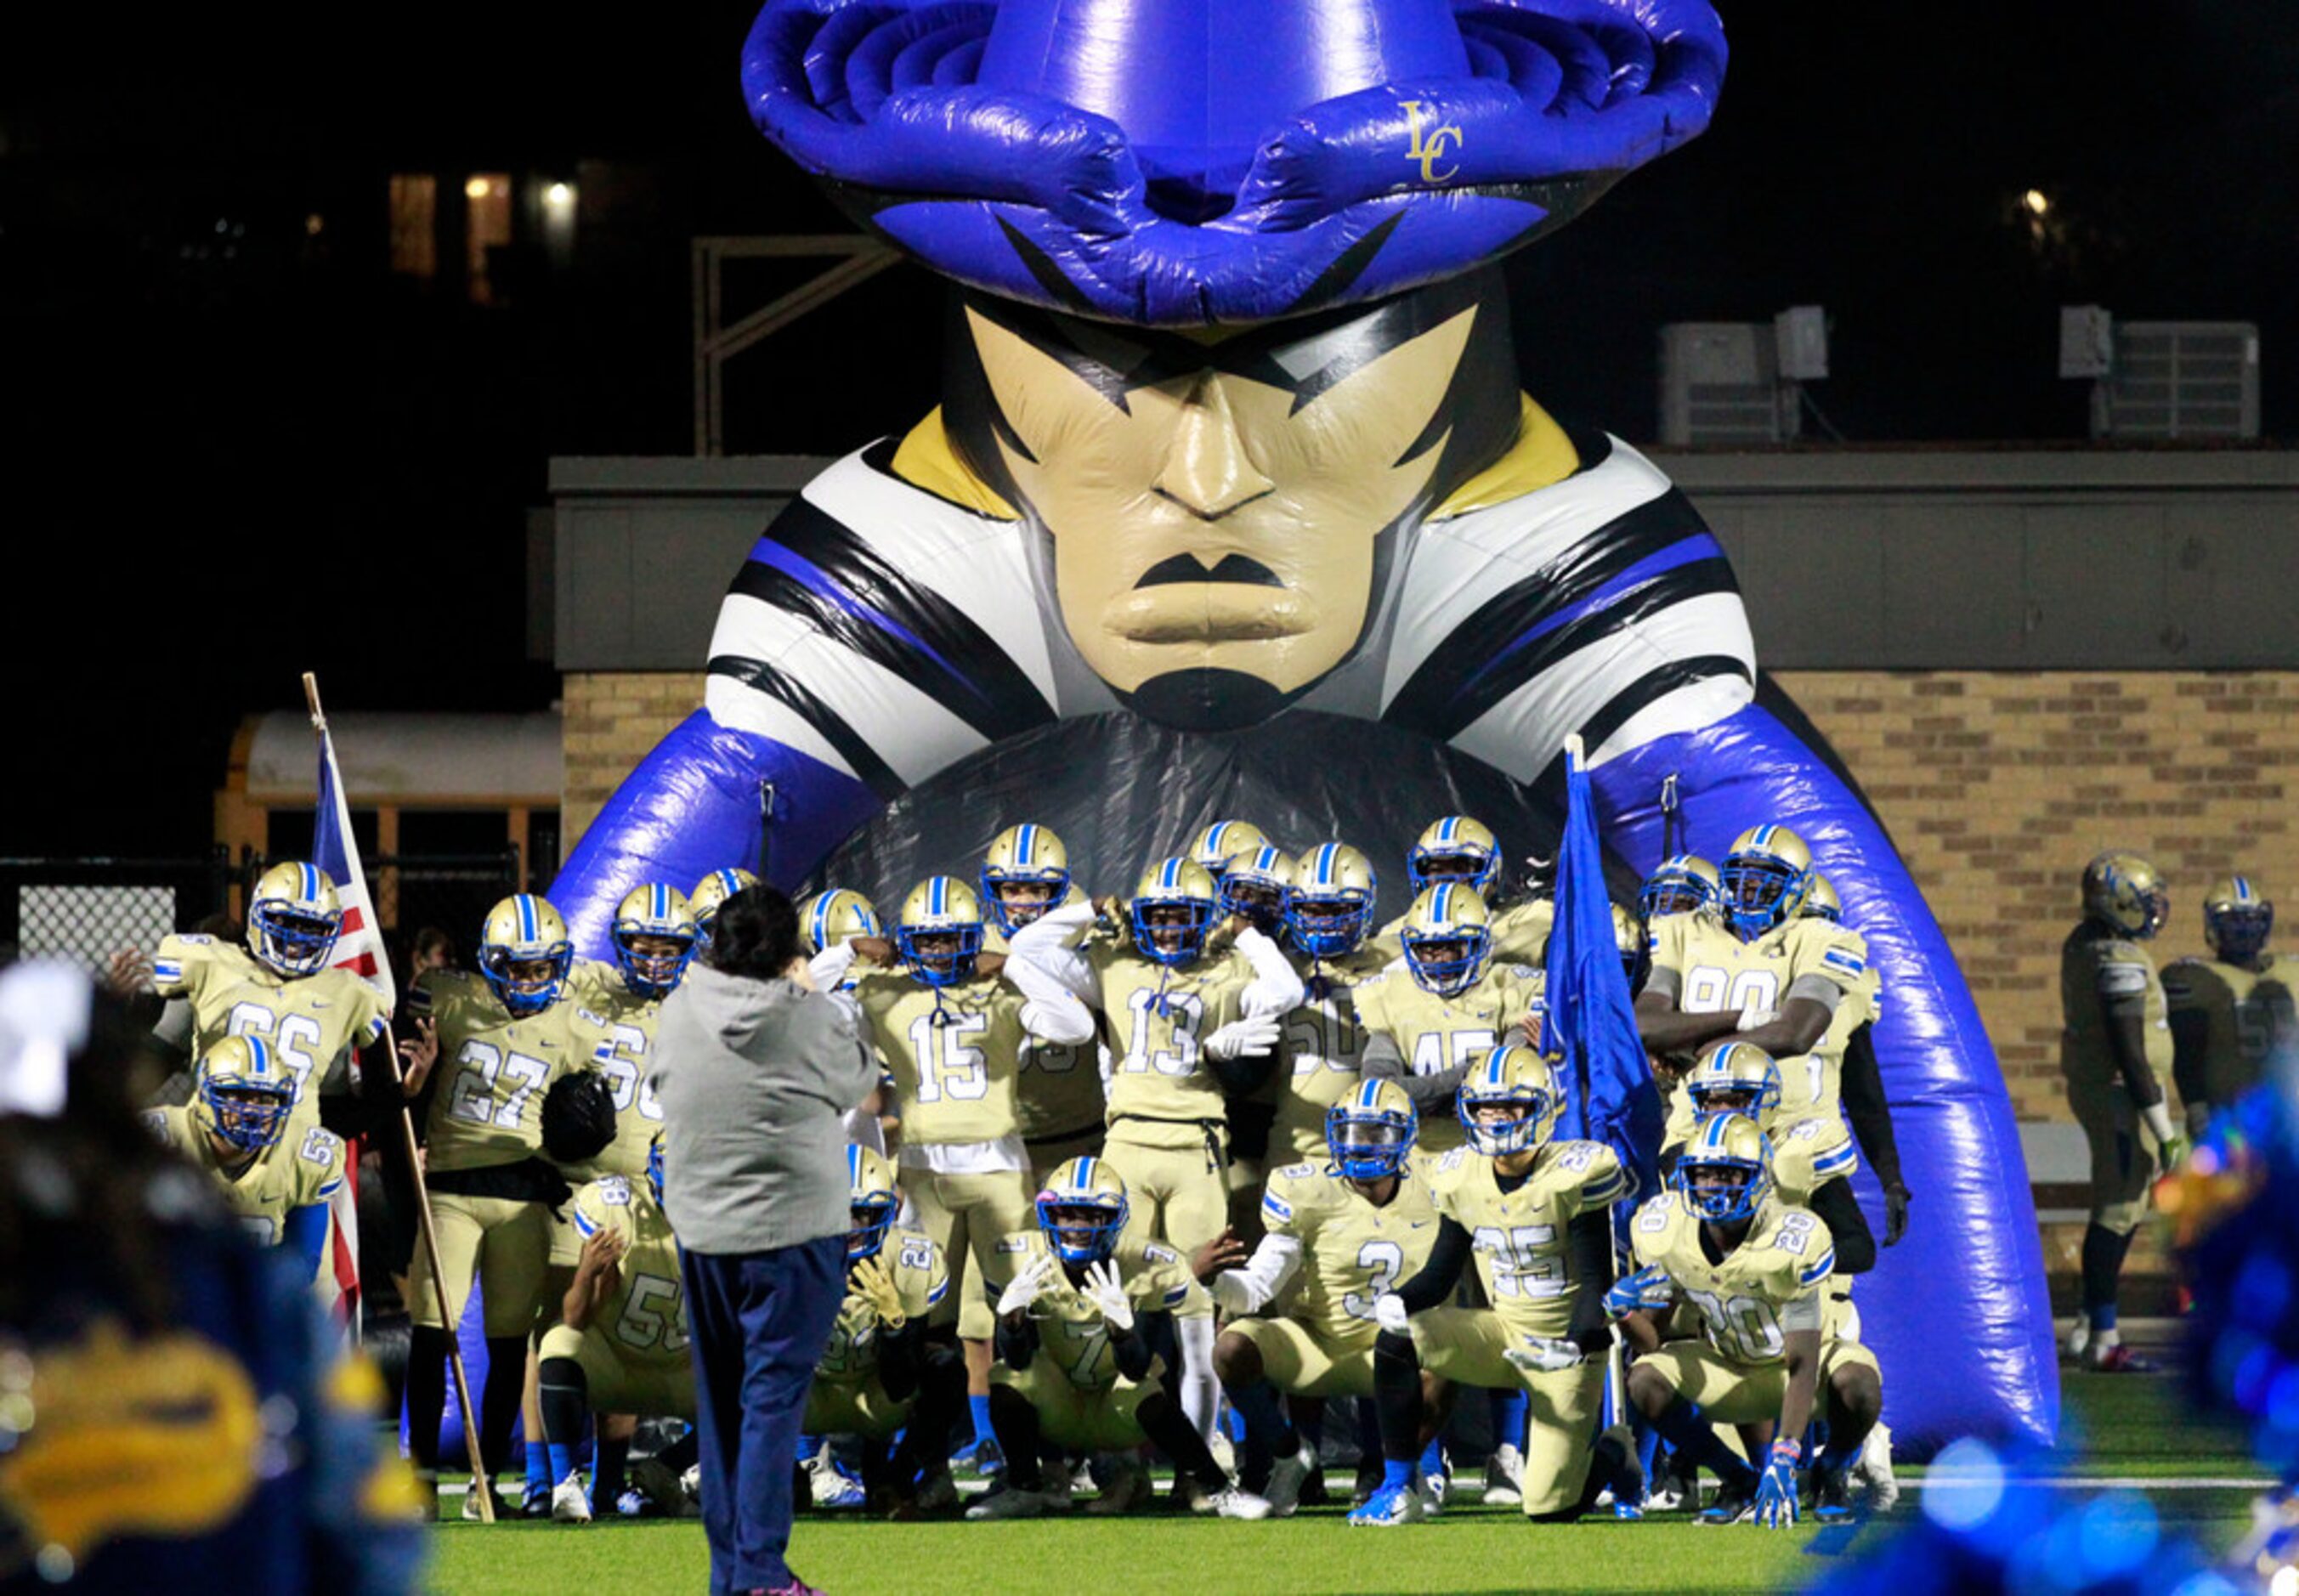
[(760, 1321)]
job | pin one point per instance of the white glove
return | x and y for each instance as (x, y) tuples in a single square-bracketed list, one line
[(1106, 1292), (1545, 1355), (1389, 1313), (1024, 1288), (1243, 1038), (1755, 1019), (2159, 1122)]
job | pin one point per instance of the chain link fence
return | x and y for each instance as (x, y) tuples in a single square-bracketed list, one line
[(87, 909)]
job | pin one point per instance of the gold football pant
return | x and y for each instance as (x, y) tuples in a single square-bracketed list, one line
[(1083, 1419), (2122, 1163), (504, 1243), (1747, 1393), (1178, 1195), (968, 1215), (1298, 1360), (1466, 1345), (660, 1387)]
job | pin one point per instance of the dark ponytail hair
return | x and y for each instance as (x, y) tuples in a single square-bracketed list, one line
[(756, 934)]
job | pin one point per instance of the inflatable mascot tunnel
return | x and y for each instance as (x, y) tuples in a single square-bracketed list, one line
[(1234, 504)]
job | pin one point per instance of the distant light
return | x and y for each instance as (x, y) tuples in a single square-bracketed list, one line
[(560, 194), (2285, 1581), (223, 226), (478, 188), (314, 225), (2037, 200)]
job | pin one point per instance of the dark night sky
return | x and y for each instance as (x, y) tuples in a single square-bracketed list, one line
[(289, 461)]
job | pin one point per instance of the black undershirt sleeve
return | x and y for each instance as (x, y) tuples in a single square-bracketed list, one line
[(1865, 1104)]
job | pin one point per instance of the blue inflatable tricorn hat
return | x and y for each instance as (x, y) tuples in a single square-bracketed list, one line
[(1186, 162)]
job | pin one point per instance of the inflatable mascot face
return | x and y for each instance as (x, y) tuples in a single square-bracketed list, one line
[(1232, 437)]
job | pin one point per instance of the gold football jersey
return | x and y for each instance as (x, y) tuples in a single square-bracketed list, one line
[(1808, 1152), (956, 1078), (645, 1314), (301, 1168), (495, 1068), (1784, 1257), (1351, 1251), (305, 1021), (2246, 1017), (2098, 966), (1436, 1034), (915, 1264), (1519, 1236), (1324, 1051), (1071, 1330), (1160, 1018), (1058, 1092), (1717, 971), (630, 1021)]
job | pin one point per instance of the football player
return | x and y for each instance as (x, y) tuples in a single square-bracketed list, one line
[(951, 1035), (1328, 919), (620, 1342), (500, 1038), (1812, 1155), (879, 1375), (1452, 1002), (236, 1129), (1025, 872), (1464, 850), (1753, 1265), (279, 987), (1059, 1097), (1534, 1213), (713, 890), (1086, 1312), (1224, 843), (1854, 1080), (2115, 1050), (1757, 968), (1683, 883), (2231, 1012), (1336, 1235), (836, 915)]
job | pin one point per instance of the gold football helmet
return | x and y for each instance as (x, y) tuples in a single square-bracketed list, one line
[(1025, 873), (1456, 848), (293, 917), (1224, 843), (2237, 920), (1447, 935), (939, 935), (1509, 1101), (1737, 1078), (524, 953), (838, 916), (1081, 1208), (1173, 907), (1370, 1131), (872, 1200), (1332, 904), (1258, 885), (1725, 1171), (1821, 902), (243, 1095), (2124, 891), (1684, 884), (654, 938), (1765, 880), (710, 894)]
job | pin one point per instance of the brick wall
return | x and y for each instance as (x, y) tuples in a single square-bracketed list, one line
[(612, 721), (1997, 785)]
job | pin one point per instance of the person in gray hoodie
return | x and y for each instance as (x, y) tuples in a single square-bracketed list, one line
[(755, 1071)]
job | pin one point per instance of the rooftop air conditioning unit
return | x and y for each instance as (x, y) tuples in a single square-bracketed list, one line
[(1721, 384), (2179, 379)]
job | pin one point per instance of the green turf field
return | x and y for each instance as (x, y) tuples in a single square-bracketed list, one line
[(2139, 1432)]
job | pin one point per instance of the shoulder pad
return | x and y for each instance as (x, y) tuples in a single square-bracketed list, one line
[(1294, 1172)]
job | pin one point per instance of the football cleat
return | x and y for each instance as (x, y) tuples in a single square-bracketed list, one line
[(872, 1199), (570, 1500), (654, 939), (1447, 935), (1371, 1132), (1173, 907), (1283, 1491), (1224, 843), (2124, 891), (1725, 1171), (1081, 1208), (1765, 880), (835, 1492), (474, 1514), (524, 953), (1025, 873), (1508, 1101), (1127, 1488), (1874, 1469), (1015, 1503), (1504, 1478), (1331, 909), (939, 932), (937, 1492), (1684, 884), (1389, 1506), (243, 1095), (2238, 920), (709, 894), (1234, 1502), (1455, 849), (981, 1458), (1832, 1494), (2118, 1360), (838, 916), (634, 1503), (1735, 1501), (293, 918)]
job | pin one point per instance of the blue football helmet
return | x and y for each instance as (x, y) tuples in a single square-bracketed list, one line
[(524, 953), (244, 1093), (1725, 1172), (1081, 1209), (1184, 895), (1372, 1130), (872, 1202), (1331, 909), (657, 913)]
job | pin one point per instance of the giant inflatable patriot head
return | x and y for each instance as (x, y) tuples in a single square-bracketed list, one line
[(1230, 324)]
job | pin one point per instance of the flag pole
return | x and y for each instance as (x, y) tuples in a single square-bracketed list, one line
[(480, 1483)]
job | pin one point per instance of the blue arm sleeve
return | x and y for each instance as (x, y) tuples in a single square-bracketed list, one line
[(305, 1234)]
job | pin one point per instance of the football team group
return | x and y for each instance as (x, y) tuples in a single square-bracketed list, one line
[(1170, 1174)]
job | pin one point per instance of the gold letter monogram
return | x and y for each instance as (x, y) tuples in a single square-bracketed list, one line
[(1430, 150)]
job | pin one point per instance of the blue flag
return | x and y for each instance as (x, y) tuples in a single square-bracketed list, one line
[(1611, 1096)]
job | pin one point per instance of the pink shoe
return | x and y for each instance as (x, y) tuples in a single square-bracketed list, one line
[(2120, 1359)]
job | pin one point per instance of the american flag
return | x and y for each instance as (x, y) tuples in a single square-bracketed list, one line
[(358, 949)]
